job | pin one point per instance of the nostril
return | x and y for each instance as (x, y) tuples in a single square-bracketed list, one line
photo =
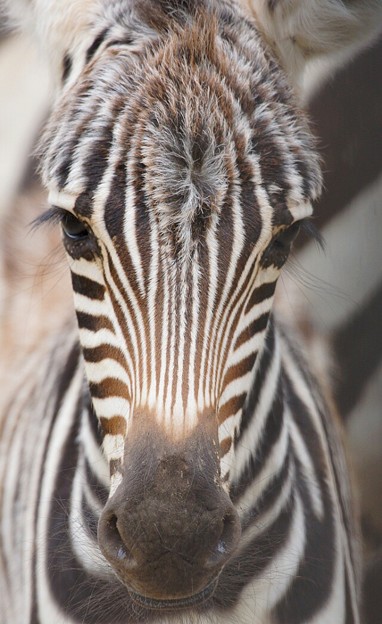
[(115, 537), (228, 539), (230, 533), (112, 544)]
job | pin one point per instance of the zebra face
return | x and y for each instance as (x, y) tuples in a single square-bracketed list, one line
[(179, 174)]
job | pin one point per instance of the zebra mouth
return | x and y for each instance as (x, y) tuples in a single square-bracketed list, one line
[(177, 603)]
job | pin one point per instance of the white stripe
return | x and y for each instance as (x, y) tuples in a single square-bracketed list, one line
[(192, 399), (164, 339), (61, 199), (153, 313), (99, 371), (251, 346), (235, 388), (86, 268), (130, 231), (95, 307), (112, 406), (99, 338), (203, 397), (113, 446)]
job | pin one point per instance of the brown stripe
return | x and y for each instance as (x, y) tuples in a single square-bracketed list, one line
[(231, 407), (109, 387), (240, 369), (116, 425), (225, 446)]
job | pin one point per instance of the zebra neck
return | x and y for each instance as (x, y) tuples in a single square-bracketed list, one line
[(284, 491), (261, 445)]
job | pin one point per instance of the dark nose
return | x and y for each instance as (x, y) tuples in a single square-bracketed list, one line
[(168, 534)]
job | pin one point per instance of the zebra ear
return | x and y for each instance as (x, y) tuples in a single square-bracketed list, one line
[(303, 30), (60, 27)]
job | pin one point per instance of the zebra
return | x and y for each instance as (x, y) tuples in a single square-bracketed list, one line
[(196, 473)]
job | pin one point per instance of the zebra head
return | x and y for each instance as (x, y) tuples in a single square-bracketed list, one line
[(180, 168)]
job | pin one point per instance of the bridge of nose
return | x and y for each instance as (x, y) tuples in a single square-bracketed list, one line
[(163, 473)]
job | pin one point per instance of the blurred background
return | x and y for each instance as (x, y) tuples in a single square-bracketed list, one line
[(339, 290), (343, 285)]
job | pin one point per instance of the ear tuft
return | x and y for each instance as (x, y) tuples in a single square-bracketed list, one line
[(303, 30), (61, 28)]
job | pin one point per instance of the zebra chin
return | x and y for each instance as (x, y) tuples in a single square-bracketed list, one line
[(170, 527), (181, 603)]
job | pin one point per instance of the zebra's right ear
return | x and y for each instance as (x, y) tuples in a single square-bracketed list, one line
[(304, 30), (61, 28)]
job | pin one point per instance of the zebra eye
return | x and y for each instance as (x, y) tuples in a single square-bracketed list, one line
[(286, 237), (278, 249), (74, 228)]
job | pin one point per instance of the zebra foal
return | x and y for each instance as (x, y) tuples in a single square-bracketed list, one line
[(197, 475)]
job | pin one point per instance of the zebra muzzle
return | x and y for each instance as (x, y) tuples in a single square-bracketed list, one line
[(170, 527)]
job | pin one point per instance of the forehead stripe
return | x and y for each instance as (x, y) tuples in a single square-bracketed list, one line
[(100, 38), (61, 199)]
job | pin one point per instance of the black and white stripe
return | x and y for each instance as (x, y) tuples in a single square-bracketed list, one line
[(295, 555), (281, 455)]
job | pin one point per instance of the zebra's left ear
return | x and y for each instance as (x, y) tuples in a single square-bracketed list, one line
[(62, 28), (303, 30)]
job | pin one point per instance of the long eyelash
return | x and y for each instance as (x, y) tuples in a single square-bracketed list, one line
[(310, 230), (53, 216)]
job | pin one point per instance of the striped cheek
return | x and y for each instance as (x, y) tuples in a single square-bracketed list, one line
[(179, 365)]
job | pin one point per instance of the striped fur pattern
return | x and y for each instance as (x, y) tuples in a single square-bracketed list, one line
[(291, 513), (180, 168), (164, 172)]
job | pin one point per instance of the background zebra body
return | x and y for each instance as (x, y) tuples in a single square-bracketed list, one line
[(279, 435)]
